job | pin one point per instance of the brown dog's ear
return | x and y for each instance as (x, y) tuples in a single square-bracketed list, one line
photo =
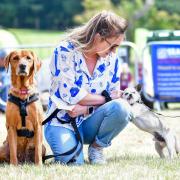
[(7, 60), (138, 87), (37, 62)]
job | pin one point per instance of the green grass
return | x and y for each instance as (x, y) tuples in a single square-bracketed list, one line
[(28, 36), (132, 156), (134, 167), (38, 37)]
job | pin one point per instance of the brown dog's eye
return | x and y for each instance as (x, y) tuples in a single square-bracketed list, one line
[(28, 57), (16, 58)]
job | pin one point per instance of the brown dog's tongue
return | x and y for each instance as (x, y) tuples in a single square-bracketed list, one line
[(23, 91)]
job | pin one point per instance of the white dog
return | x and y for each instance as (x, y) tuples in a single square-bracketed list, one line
[(150, 122)]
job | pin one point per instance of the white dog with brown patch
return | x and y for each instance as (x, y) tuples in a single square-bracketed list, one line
[(148, 121)]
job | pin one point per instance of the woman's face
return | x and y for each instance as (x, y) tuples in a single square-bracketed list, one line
[(105, 46)]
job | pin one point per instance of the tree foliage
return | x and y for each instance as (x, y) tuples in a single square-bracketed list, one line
[(93, 7), (62, 14), (170, 6), (54, 14), (148, 14)]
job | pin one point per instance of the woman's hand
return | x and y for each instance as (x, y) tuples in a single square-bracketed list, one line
[(116, 94), (78, 110)]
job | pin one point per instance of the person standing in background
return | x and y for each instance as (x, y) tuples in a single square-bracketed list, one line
[(4, 82), (125, 76)]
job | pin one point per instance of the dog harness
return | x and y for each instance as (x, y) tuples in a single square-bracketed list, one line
[(77, 135), (22, 104)]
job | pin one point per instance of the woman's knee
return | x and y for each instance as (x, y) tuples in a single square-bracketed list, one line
[(60, 138), (121, 109)]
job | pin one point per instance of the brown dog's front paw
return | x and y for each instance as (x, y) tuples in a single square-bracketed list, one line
[(38, 158), (14, 162), (38, 161)]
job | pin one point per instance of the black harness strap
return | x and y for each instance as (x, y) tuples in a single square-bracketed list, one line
[(22, 104), (78, 137), (25, 133), (50, 117), (72, 121)]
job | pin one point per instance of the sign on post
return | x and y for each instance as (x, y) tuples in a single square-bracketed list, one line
[(166, 71)]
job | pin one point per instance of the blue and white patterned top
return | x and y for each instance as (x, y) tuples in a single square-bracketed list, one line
[(71, 80)]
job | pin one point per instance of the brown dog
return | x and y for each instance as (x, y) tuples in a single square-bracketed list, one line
[(24, 112)]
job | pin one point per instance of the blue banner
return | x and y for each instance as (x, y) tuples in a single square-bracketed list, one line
[(166, 71)]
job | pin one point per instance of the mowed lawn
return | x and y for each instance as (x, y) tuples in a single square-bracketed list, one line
[(131, 156), (38, 38), (31, 36)]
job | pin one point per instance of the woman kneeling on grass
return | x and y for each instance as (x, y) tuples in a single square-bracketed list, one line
[(85, 74)]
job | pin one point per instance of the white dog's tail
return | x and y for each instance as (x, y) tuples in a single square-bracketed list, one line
[(177, 145)]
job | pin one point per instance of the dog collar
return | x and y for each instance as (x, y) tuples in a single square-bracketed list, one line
[(21, 91)]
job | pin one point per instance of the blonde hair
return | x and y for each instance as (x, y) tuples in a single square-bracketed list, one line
[(106, 23)]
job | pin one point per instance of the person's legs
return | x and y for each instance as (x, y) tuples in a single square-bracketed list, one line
[(4, 97), (106, 123), (62, 140)]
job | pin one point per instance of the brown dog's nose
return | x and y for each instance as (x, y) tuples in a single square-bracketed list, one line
[(22, 67)]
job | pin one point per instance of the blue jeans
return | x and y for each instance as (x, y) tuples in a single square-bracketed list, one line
[(104, 124)]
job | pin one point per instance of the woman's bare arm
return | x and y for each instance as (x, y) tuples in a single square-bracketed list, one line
[(96, 100), (92, 100)]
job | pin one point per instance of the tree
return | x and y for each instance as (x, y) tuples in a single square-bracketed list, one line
[(140, 13), (91, 8), (55, 14)]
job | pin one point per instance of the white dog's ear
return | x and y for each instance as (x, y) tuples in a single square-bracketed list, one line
[(138, 87)]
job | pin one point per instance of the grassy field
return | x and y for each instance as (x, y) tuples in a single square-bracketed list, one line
[(28, 36), (38, 38), (131, 156)]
